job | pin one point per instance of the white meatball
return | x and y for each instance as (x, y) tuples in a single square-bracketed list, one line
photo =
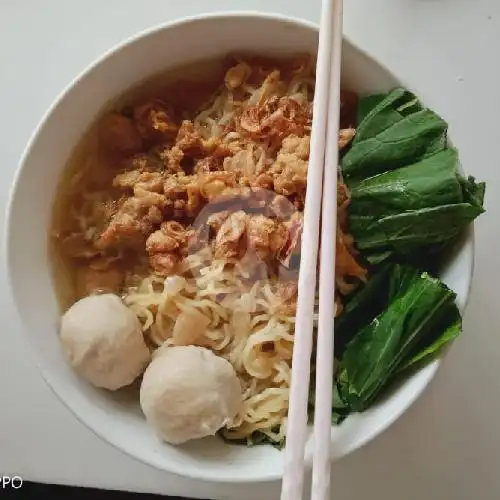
[(103, 341), (188, 392)]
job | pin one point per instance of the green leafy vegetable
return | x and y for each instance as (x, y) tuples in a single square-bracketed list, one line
[(408, 203), (397, 131), (366, 104), (369, 301), (473, 192), (420, 205), (403, 232), (430, 182), (427, 352), (256, 439), (420, 312)]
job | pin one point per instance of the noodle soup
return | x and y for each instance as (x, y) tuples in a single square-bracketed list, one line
[(185, 200)]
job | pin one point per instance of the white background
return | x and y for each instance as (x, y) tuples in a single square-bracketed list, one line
[(448, 445)]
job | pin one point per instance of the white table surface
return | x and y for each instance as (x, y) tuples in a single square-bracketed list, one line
[(448, 445)]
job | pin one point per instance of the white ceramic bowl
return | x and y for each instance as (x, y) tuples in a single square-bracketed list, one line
[(118, 420)]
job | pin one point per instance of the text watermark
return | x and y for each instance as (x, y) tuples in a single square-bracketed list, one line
[(11, 482)]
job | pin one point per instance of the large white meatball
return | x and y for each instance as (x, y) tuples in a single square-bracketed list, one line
[(188, 392), (103, 341)]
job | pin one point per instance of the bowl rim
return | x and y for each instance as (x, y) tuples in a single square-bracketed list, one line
[(8, 250)]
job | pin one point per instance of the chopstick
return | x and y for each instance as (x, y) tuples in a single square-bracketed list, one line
[(293, 476), (326, 320)]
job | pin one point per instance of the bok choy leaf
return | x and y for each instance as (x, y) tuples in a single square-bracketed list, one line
[(420, 205), (419, 319), (397, 131)]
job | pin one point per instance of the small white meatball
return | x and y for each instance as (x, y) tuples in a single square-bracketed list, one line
[(188, 392), (103, 341)]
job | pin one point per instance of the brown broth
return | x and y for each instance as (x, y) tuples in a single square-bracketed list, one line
[(186, 88)]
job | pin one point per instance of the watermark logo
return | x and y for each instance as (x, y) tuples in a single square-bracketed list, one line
[(256, 228), (11, 482)]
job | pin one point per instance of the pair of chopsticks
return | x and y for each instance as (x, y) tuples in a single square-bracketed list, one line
[(321, 203)]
